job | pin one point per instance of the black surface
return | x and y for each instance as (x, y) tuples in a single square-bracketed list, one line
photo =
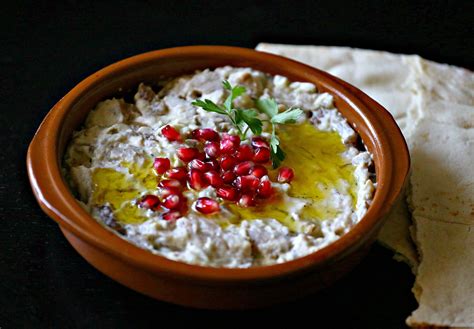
[(47, 48)]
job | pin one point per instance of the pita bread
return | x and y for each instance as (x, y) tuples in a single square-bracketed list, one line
[(442, 180), (436, 114), (395, 235), (442, 204), (392, 81), (445, 293)]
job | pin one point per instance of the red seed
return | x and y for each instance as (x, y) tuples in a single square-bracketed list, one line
[(246, 183), (207, 205), (243, 168), (173, 201), (244, 153), (227, 146), (171, 215), (259, 171), (247, 200), (262, 155), (166, 191), (228, 176), (200, 165), (213, 178), (206, 134), (227, 162), (201, 156), (171, 133), (212, 149), (285, 175), (187, 154), (196, 180), (227, 193), (233, 138), (214, 164), (161, 165), (149, 201), (178, 173), (265, 189), (259, 142), (172, 183)]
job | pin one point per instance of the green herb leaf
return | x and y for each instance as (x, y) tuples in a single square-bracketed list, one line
[(250, 118), (227, 85), (234, 93), (276, 153), (289, 116), (209, 106), (267, 106), (245, 119)]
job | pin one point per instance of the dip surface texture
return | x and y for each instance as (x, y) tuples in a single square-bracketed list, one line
[(109, 166)]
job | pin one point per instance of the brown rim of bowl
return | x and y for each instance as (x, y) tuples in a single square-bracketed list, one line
[(57, 201)]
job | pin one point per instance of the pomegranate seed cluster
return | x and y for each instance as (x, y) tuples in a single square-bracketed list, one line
[(238, 173)]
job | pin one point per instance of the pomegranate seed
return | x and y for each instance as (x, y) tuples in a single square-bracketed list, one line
[(171, 183), (227, 162), (173, 201), (246, 183), (149, 201), (285, 175), (259, 171), (247, 200), (213, 178), (207, 206), (227, 146), (200, 165), (171, 215), (178, 173), (161, 165), (212, 149), (171, 133), (201, 156), (227, 193), (233, 138), (244, 153), (213, 164), (197, 180), (259, 142), (265, 189), (262, 155), (187, 154), (228, 176), (243, 168), (166, 191), (206, 134)]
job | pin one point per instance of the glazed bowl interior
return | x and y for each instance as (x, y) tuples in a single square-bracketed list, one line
[(367, 117)]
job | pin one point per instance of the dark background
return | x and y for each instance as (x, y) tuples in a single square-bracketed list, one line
[(47, 48)]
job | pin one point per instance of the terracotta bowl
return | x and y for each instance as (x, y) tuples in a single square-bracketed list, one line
[(197, 286)]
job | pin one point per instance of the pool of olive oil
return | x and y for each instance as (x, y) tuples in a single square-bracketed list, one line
[(316, 158), (314, 155)]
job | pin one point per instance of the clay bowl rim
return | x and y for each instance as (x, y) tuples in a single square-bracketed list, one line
[(57, 201)]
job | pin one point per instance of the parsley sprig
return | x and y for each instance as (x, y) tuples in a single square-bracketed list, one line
[(270, 108), (247, 119)]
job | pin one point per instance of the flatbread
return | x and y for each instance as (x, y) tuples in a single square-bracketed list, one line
[(395, 234), (442, 203), (392, 81), (442, 180), (444, 281), (434, 105)]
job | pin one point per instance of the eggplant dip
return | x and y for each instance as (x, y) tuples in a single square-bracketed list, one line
[(229, 167)]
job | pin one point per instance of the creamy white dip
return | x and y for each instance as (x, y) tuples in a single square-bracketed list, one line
[(107, 164)]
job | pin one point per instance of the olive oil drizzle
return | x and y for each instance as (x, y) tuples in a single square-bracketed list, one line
[(315, 156)]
